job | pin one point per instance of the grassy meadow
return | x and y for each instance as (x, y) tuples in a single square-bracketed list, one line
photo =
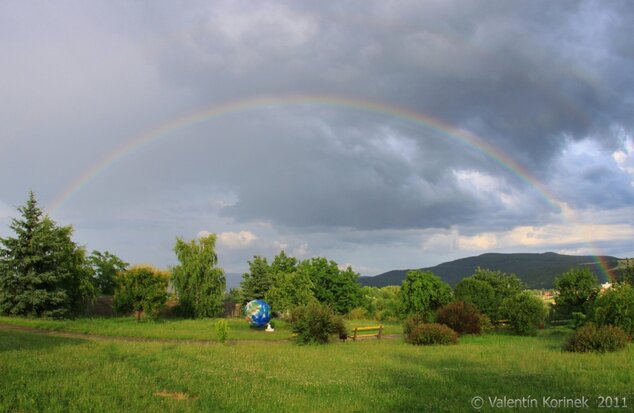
[(174, 328), (40, 372)]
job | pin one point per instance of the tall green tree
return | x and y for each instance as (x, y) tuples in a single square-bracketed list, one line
[(283, 263), (479, 293), (42, 271), (336, 288), (382, 303), (105, 267), (504, 286), (289, 287), (198, 281), (615, 306), (625, 272), (256, 283), (422, 293), (290, 290), (525, 312), (576, 291)]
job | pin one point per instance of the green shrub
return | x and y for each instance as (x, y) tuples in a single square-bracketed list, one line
[(142, 289), (599, 339), (463, 318), (485, 324), (411, 323), (428, 333), (313, 323), (222, 330), (357, 313), (615, 307), (525, 313)]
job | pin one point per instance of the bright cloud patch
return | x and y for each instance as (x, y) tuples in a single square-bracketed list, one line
[(233, 239), (625, 158), (548, 236)]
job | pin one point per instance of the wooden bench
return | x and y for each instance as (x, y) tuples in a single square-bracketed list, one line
[(371, 331)]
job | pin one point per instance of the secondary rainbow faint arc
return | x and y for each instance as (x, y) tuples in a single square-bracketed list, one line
[(258, 102)]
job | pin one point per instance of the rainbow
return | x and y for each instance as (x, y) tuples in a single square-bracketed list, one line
[(168, 128)]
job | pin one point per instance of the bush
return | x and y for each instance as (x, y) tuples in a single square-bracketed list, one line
[(411, 323), (525, 313), (616, 307), (313, 323), (428, 333), (142, 289), (222, 330), (357, 313), (463, 318), (599, 339)]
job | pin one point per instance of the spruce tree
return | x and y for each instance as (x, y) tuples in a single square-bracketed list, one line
[(256, 283), (42, 271)]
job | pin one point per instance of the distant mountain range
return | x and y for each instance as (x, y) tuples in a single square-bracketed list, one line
[(536, 270)]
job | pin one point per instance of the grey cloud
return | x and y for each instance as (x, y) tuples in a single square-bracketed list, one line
[(507, 68), (531, 79)]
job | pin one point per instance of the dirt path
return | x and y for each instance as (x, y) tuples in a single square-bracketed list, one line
[(96, 337)]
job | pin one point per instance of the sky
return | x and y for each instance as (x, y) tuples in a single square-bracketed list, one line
[(380, 134)]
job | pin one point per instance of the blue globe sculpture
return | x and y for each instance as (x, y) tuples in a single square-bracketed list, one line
[(258, 313)]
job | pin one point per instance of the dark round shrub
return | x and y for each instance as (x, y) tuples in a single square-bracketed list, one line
[(411, 323), (462, 317), (314, 323), (599, 339), (428, 333), (615, 307), (340, 327)]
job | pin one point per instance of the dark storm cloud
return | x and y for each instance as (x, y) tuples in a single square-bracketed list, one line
[(527, 78), (532, 79), (521, 75)]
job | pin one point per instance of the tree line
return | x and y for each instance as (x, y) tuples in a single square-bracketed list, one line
[(43, 273)]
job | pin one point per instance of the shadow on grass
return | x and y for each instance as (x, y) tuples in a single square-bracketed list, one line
[(447, 381), (11, 340), (556, 337)]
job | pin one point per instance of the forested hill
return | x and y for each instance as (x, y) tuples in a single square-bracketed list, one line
[(536, 270)]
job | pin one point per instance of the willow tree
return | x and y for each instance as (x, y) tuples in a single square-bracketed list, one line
[(198, 282)]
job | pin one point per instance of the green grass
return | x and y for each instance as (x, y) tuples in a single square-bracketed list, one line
[(181, 329), (47, 373)]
